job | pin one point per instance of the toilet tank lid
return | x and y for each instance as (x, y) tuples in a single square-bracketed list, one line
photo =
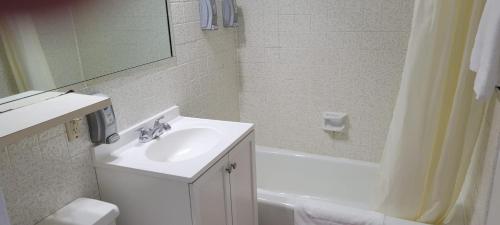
[(84, 211)]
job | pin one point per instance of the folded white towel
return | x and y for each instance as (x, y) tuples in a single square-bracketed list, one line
[(485, 58), (313, 212)]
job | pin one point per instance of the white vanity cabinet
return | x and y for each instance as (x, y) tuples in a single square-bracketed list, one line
[(223, 194), (226, 193)]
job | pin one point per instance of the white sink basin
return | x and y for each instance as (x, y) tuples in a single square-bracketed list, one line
[(183, 145)]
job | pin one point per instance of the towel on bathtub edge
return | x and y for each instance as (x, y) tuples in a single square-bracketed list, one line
[(315, 212)]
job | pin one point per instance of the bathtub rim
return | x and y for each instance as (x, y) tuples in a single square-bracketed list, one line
[(313, 156)]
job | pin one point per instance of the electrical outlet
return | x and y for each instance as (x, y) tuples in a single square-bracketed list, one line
[(73, 129)]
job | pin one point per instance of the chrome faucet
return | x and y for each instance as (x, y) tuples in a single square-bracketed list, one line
[(147, 135)]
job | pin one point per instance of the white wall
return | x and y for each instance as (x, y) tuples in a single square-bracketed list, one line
[(44, 172), (299, 58)]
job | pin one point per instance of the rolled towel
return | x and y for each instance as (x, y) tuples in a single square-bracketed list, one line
[(314, 212), (208, 15), (229, 13)]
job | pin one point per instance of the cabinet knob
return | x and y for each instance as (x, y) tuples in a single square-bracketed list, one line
[(233, 165), (229, 169)]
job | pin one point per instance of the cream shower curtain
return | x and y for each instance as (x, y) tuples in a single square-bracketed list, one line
[(437, 124)]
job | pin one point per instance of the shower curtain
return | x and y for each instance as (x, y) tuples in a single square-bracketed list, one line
[(25, 54), (437, 127)]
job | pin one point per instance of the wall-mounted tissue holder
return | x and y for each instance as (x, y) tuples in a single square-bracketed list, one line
[(335, 122), (208, 15)]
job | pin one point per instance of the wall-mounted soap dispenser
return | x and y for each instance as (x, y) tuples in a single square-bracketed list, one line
[(208, 15), (229, 13), (102, 126)]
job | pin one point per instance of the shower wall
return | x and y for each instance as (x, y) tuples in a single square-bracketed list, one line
[(299, 58)]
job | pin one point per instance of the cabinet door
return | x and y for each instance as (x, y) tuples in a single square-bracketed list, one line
[(209, 196), (243, 183)]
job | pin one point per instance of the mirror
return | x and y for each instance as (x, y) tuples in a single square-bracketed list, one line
[(46, 50)]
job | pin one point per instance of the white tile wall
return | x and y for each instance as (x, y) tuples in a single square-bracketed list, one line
[(42, 173), (299, 58)]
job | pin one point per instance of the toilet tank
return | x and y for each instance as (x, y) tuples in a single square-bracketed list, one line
[(84, 211)]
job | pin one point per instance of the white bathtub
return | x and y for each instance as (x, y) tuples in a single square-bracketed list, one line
[(283, 176)]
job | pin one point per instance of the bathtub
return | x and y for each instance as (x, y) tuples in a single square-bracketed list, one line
[(284, 175)]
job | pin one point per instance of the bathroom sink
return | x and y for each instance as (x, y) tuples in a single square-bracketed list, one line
[(183, 145), (183, 152)]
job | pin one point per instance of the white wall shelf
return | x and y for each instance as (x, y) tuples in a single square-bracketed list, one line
[(35, 118)]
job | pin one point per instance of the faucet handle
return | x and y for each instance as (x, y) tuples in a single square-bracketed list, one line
[(142, 131), (157, 121), (144, 134)]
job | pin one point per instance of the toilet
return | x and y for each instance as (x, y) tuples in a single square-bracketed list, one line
[(84, 211)]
